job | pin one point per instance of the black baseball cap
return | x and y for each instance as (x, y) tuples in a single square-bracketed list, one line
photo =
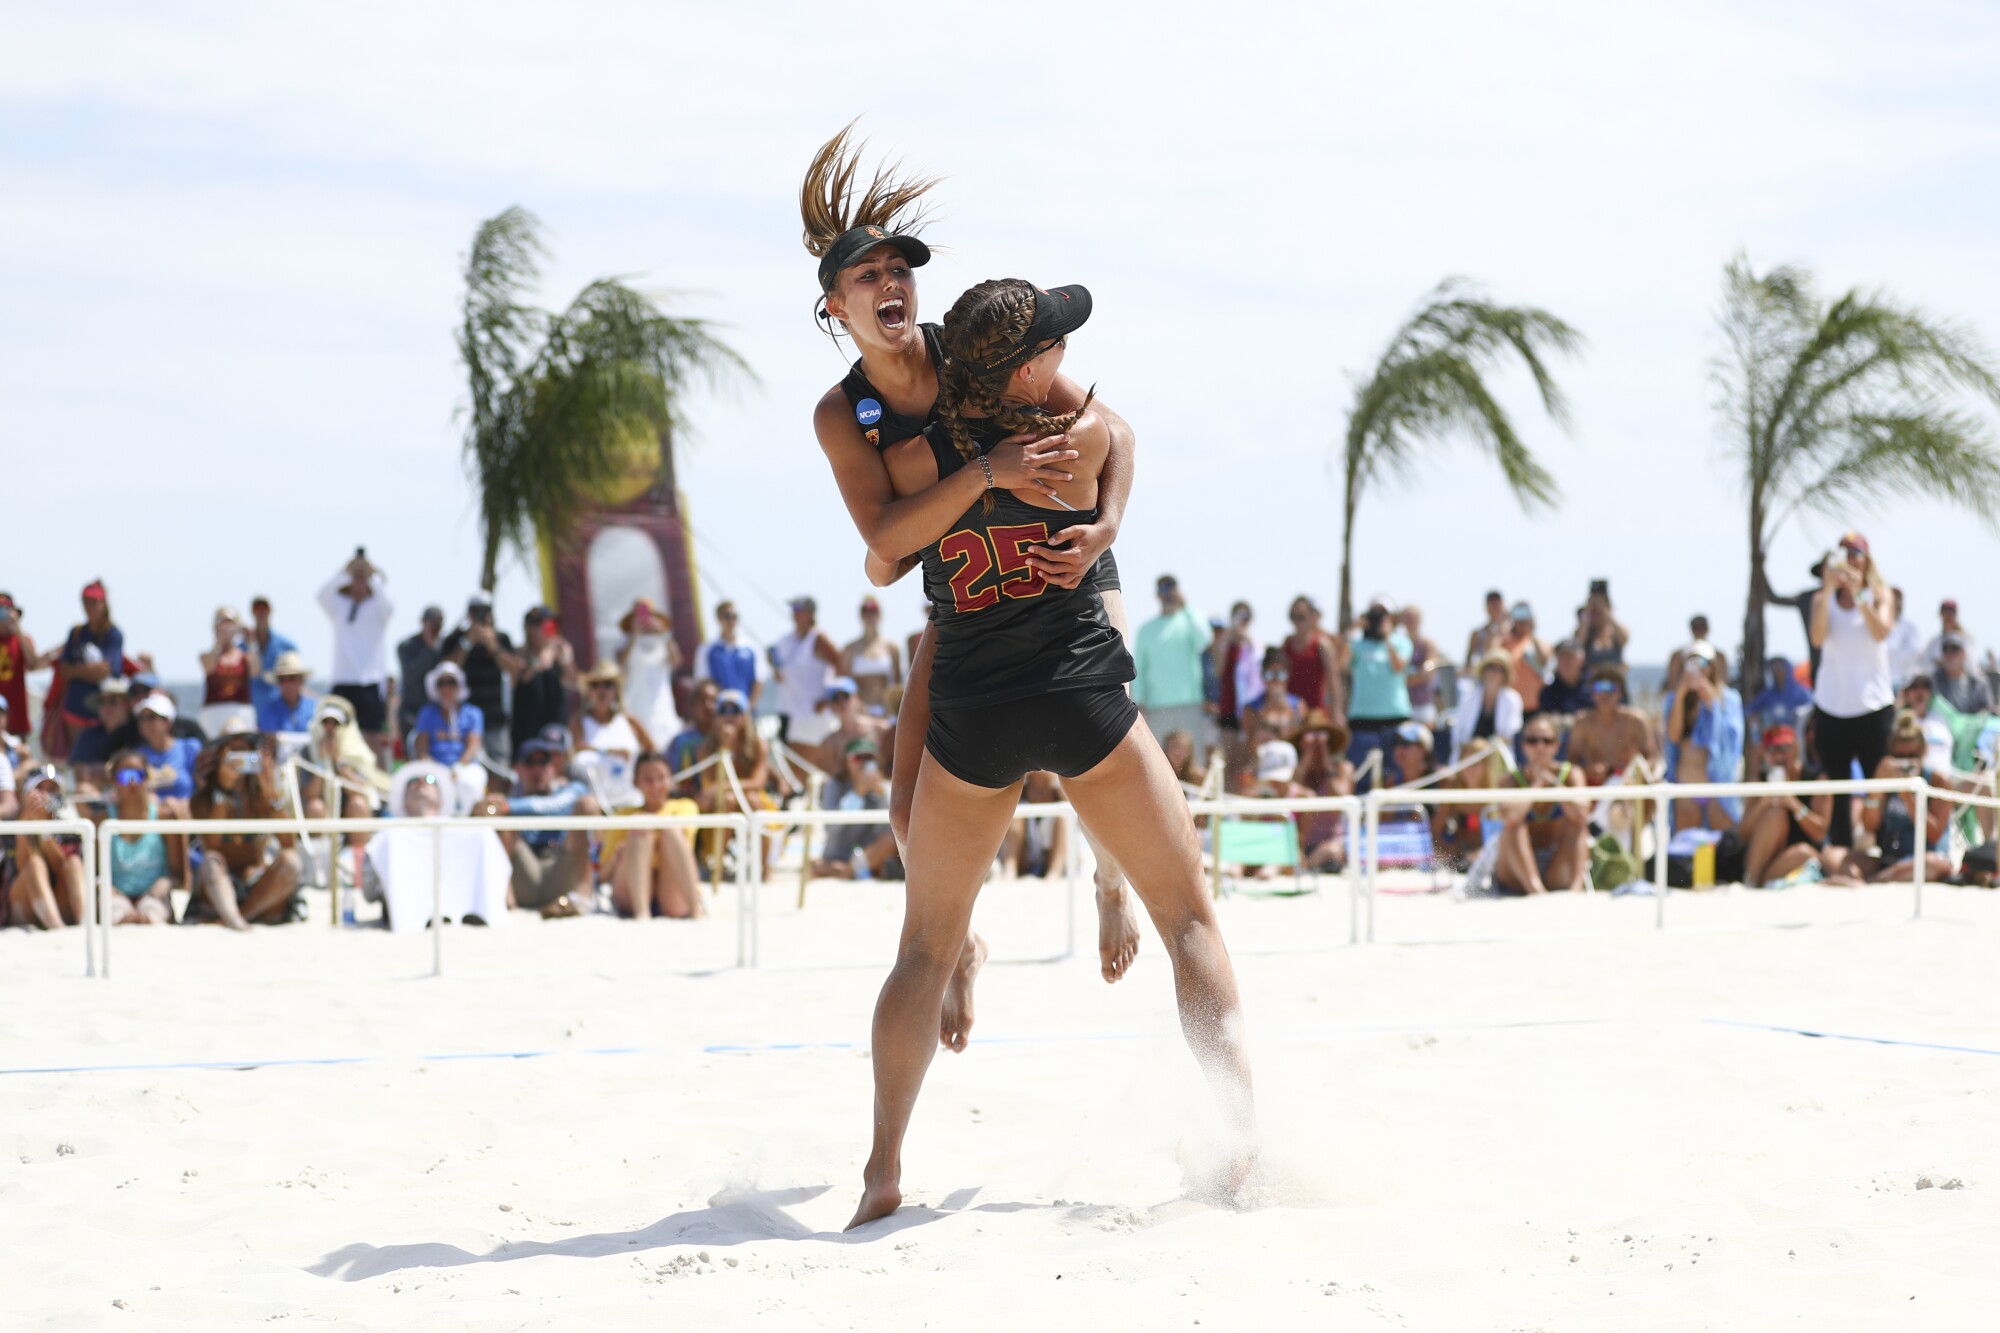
[(1059, 311), (855, 242)]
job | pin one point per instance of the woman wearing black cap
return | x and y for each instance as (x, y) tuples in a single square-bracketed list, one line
[(1028, 676), (867, 257)]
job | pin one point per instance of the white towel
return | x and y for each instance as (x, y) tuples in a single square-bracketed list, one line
[(475, 876)]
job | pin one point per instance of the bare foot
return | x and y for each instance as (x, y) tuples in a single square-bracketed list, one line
[(1117, 931), (878, 1200), (956, 1023)]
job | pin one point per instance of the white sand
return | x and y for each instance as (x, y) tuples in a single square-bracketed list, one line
[(1618, 1161)]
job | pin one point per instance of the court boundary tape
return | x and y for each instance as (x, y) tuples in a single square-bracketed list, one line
[(1853, 1036)]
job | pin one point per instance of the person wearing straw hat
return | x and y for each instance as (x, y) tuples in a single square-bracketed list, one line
[(649, 657), (291, 709), (1491, 710)]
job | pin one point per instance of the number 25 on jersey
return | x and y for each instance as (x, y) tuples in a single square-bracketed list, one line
[(995, 562)]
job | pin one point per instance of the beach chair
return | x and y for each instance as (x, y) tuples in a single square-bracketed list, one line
[(1264, 842)]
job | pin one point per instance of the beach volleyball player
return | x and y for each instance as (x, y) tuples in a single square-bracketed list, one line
[(1026, 676), (868, 288)]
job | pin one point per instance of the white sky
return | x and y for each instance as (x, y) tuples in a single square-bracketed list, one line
[(228, 271)]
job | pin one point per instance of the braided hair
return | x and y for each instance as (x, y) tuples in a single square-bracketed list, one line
[(830, 206), (984, 329)]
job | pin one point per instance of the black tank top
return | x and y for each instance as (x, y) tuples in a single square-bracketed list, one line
[(1003, 632), (882, 425)]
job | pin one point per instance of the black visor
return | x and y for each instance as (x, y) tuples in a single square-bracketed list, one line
[(858, 241), (1059, 312)]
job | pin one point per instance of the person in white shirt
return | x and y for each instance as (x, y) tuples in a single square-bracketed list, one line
[(1906, 652), (804, 661), (1854, 702), (356, 600)]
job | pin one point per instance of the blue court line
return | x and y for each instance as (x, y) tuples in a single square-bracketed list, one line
[(1851, 1036)]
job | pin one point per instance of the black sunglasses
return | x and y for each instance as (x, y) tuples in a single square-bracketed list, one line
[(728, 710), (1538, 740)]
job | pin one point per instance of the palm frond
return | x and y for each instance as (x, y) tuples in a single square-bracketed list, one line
[(1928, 452)]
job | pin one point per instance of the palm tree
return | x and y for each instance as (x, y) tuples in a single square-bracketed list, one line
[(560, 398), (1833, 403), (1430, 384)]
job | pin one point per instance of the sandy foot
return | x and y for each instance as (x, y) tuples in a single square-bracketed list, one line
[(955, 1026), (877, 1201), (1117, 931)]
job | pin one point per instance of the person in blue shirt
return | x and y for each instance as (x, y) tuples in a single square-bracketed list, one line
[(169, 758), (93, 652), (730, 664), (1705, 739), (290, 708), (551, 869), (266, 646), (448, 729)]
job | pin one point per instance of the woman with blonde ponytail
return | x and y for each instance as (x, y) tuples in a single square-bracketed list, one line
[(1029, 676), (862, 231)]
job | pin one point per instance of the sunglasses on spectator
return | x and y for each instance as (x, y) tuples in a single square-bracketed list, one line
[(129, 777), (1538, 740), (725, 615), (539, 759), (605, 685), (1605, 687), (839, 696), (728, 710)]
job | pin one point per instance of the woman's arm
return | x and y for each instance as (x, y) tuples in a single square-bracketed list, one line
[(420, 744), (1875, 614), (893, 527), (475, 742), (1507, 716), (639, 730), (1083, 543), (1816, 631)]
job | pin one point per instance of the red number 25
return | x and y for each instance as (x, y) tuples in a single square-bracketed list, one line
[(1007, 552)]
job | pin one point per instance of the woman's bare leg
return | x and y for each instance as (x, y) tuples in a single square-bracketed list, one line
[(1515, 868), (1788, 862), (33, 899), (1117, 924), (676, 882), (1137, 804), (270, 897), (1571, 861), (955, 829), (216, 886), (632, 877), (1763, 837)]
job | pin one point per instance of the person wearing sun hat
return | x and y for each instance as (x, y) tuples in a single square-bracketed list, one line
[(604, 727), (290, 709), (450, 728)]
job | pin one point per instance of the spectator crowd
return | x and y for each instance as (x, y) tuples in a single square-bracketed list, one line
[(471, 720)]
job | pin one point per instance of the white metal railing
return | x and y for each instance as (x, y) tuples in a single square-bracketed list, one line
[(86, 834), (1363, 823), (97, 844)]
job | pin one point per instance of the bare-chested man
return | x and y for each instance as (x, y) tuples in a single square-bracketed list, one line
[(851, 723), (1607, 737)]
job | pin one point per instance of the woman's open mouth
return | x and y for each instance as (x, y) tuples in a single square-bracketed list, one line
[(890, 313)]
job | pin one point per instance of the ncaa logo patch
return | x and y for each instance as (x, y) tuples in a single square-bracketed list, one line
[(868, 411)]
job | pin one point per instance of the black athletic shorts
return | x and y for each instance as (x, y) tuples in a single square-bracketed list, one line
[(370, 713), (1066, 732)]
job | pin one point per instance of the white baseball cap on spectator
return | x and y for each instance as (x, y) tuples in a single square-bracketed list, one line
[(1276, 761), (1415, 733), (838, 685), (1523, 613), (443, 671), (238, 725), (109, 685), (161, 705)]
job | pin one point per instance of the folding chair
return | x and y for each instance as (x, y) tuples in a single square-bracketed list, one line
[(1264, 842)]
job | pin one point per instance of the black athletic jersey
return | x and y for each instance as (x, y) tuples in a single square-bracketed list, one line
[(883, 425), (880, 423), (1004, 632)]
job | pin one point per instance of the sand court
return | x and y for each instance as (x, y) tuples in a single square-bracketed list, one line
[(1547, 1114)]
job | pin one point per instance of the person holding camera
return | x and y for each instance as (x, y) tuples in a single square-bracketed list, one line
[(546, 680), (244, 877), (1379, 702), (1602, 638), (1854, 695), (45, 884), (489, 660), (357, 601)]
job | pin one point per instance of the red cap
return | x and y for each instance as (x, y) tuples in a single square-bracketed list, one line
[(1948, 604), (94, 590), (1855, 540), (870, 604), (1776, 736)]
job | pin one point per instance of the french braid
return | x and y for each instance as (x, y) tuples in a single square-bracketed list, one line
[(982, 327), (829, 203)]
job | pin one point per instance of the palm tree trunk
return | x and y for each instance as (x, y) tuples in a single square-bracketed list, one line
[(1346, 563), (1753, 605), (489, 564)]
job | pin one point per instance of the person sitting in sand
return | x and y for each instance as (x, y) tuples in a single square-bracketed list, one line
[(1543, 847), (851, 723), (1325, 770), (1889, 817), (244, 877), (1782, 834), (1036, 846), (140, 867), (863, 851), (551, 867), (652, 871), (45, 884)]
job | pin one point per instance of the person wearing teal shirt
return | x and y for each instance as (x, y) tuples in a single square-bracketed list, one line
[(1380, 699), (1168, 687)]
